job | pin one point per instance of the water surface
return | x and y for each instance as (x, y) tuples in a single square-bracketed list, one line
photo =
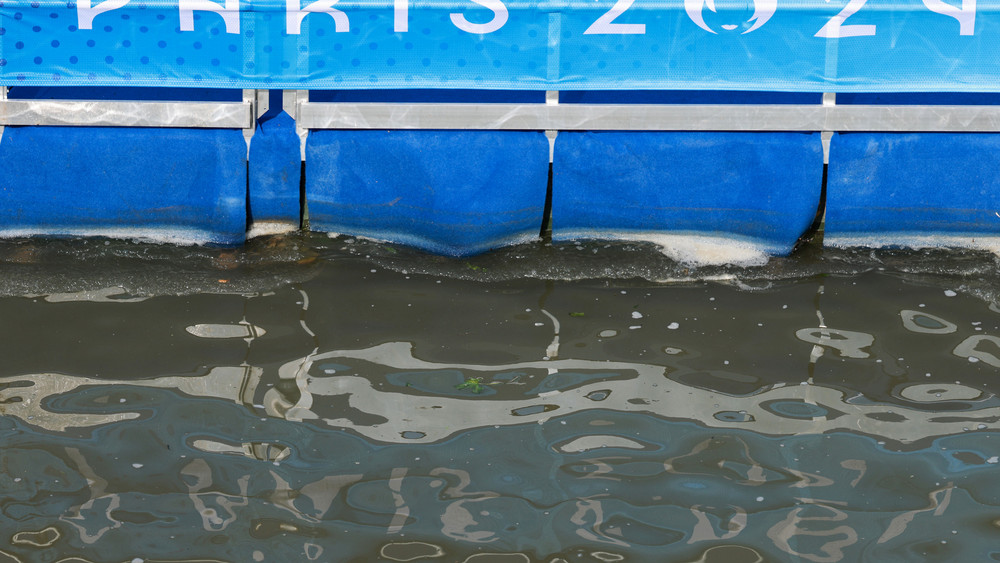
[(329, 399)]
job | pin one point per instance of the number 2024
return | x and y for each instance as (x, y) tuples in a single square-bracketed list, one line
[(965, 15)]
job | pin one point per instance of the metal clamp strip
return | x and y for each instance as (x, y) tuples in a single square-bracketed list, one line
[(646, 117)]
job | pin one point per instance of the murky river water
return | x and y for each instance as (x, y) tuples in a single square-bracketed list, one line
[(318, 399)]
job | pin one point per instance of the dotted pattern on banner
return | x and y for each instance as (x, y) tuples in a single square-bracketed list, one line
[(371, 54), (141, 44)]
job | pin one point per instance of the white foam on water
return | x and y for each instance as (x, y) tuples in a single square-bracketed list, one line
[(700, 250), (162, 235), (270, 228), (711, 251), (990, 243)]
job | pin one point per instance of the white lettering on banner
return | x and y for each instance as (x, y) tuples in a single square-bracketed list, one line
[(605, 24), (499, 18), (966, 15), (401, 16), (835, 28), (294, 15), (762, 11), (85, 13), (694, 10), (230, 13)]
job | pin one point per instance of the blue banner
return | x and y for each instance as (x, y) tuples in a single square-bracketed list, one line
[(807, 45)]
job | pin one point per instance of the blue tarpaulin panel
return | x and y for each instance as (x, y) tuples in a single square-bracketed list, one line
[(170, 184), (885, 187), (762, 188), (449, 192), (275, 171), (817, 46)]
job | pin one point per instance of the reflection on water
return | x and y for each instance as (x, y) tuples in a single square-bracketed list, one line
[(315, 399)]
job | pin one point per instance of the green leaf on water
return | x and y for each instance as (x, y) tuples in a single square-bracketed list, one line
[(473, 384), (577, 314)]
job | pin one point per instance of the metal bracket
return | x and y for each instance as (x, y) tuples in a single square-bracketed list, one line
[(292, 102), (252, 98), (551, 99), (263, 98), (826, 135)]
